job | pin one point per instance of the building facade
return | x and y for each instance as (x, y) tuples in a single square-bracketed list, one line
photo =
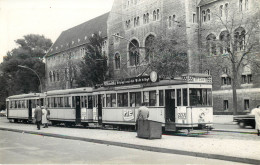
[(130, 25)]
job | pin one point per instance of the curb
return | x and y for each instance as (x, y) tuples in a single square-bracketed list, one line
[(146, 148), (234, 131)]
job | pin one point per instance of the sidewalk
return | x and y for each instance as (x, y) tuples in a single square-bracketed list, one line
[(237, 150)]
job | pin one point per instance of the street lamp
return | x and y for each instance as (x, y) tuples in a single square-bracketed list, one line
[(26, 67)]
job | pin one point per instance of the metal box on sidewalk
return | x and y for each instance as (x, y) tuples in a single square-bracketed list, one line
[(149, 129)]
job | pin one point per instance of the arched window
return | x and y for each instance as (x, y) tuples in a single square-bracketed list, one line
[(54, 76), (154, 15), (226, 9), (134, 57), (117, 61), (149, 47), (137, 21), (158, 14), (246, 5), (170, 21), (224, 45), (240, 5), (211, 44), (221, 11), (239, 36), (144, 19), (203, 16), (50, 76), (58, 76), (147, 17), (208, 14)]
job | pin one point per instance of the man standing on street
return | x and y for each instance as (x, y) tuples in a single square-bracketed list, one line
[(38, 116), (143, 114)]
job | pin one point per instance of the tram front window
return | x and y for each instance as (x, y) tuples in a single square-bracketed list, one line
[(200, 97)]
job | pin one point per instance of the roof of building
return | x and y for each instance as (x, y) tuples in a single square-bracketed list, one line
[(204, 2), (79, 34)]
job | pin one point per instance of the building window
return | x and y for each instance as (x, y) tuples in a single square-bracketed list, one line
[(211, 44), (194, 18), (221, 11), (226, 9), (246, 104), (116, 39), (246, 5), (50, 76), (154, 15), (207, 72), (117, 61), (240, 35), (158, 14), (134, 58), (208, 14), (54, 76), (226, 80), (136, 21), (147, 18), (170, 21), (149, 47), (203, 16), (249, 79), (225, 105), (58, 76), (240, 5), (128, 24), (224, 44)]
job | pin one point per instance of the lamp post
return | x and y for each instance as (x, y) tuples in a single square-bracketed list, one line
[(26, 67)]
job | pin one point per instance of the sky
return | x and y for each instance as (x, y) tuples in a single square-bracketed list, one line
[(44, 17)]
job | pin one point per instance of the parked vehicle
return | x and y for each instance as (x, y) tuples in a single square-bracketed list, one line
[(245, 120), (3, 113)]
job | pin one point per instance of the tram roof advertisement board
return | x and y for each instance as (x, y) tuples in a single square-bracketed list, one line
[(133, 80)]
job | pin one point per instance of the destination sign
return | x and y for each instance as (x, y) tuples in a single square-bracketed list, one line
[(128, 81)]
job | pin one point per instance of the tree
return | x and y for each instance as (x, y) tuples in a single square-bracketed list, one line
[(167, 55), (93, 69), (236, 47), (30, 52)]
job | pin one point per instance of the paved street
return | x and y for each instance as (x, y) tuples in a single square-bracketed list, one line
[(26, 148)]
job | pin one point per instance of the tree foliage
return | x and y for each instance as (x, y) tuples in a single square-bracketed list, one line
[(93, 69), (168, 56), (30, 51)]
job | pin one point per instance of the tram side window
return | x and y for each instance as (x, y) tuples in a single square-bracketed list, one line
[(122, 100), (82, 100), (73, 101), (66, 102), (85, 101), (185, 97), (61, 102), (33, 103), (52, 102), (178, 97), (150, 98), (135, 99), (111, 100), (90, 102), (161, 98), (25, 104), (200, 97), (48, 102)]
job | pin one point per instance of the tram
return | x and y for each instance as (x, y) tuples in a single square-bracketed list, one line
[(70, 106), (20, 108), (180, 103), (177, 104)]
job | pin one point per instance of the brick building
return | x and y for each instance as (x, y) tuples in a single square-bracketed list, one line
[(67, 51), (136, 21)]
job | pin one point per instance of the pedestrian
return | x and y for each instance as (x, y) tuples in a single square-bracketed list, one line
[(256, 112), (44, 117), (38, 116), (143, 113)]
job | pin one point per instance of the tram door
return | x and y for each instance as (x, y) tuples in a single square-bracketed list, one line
[(29, 109), (170, 105), (78, 109), (99, 109)]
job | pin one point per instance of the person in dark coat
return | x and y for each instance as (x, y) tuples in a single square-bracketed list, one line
[(38, 116)]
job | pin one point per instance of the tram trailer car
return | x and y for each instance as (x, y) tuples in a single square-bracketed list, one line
[(70, 106), (20, 108), (184, 103)]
